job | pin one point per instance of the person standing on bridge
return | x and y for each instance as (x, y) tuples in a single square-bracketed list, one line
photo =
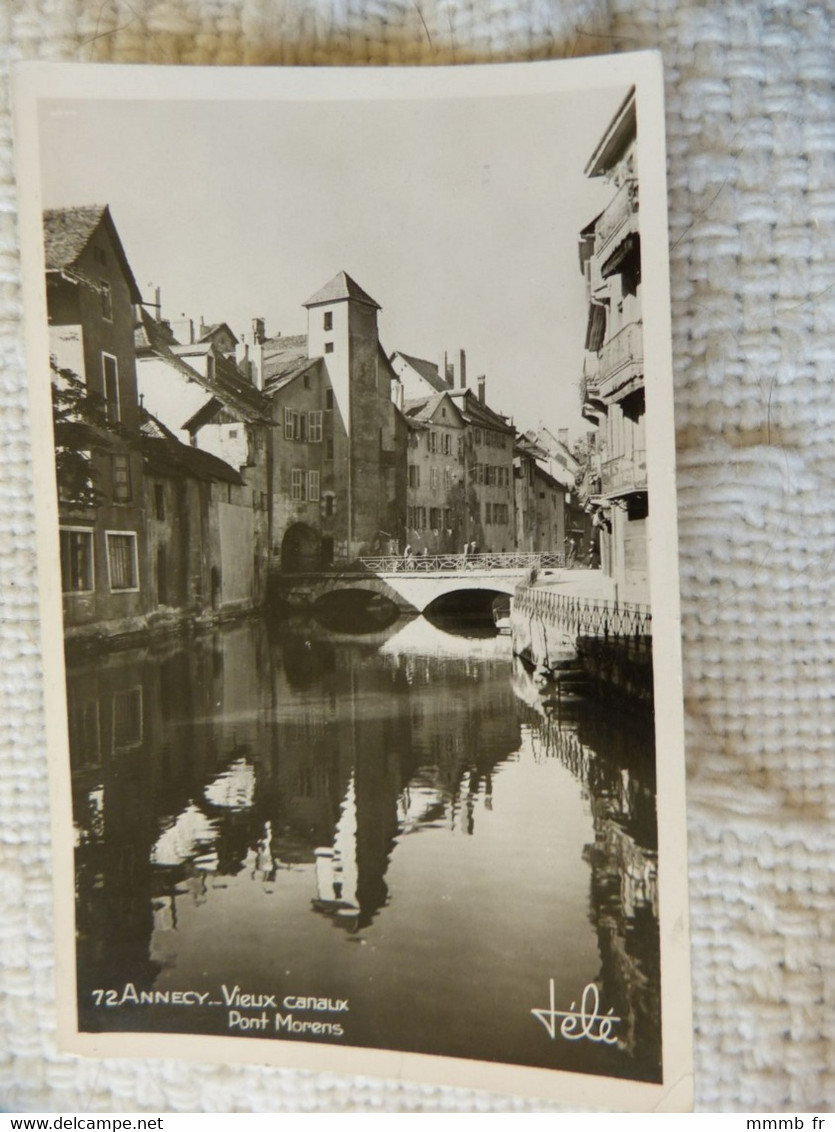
[(408, 560)]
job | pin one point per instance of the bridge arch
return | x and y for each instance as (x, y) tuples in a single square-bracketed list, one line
[(301, 549)]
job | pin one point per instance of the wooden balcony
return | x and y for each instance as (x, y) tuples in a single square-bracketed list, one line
[(621, 365), (625, 474)]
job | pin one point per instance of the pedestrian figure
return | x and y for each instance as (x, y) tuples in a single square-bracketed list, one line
[(407, 557), (572, 553)]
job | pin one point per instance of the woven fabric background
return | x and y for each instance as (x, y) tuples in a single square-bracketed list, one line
[(751, 143)]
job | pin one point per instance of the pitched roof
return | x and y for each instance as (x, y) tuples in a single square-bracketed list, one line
[(208, 332), (68, 231), (424, 408), (227, 384), (340, 288), (475, 412), (427, 370), (168, 456)]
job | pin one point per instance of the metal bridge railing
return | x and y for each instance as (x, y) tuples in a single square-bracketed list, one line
[(445, 563), (588, 617)]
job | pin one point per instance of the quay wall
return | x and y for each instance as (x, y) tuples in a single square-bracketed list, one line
[(610, 642)]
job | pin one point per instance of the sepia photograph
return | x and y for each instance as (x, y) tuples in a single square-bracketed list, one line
[(352, 405)]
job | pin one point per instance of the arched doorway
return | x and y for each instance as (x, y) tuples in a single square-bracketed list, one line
[(301, 549)]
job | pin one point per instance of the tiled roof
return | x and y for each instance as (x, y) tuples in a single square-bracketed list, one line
[(427, 370), (231, 387), (283, 356), (168, 456), (475, 412), (341, 287), (67, 232), (425, 408), (207, 332)]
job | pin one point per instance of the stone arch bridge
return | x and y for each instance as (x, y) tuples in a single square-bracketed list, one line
[(414, 584)]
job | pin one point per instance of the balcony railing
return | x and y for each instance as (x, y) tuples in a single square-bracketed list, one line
[(625, 473), (625, 350), (620, 213)]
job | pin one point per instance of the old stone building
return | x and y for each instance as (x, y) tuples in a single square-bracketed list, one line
[(613, 374), (91, 292), (436, 511)]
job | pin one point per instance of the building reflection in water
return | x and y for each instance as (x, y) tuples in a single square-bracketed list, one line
[(255, 756)]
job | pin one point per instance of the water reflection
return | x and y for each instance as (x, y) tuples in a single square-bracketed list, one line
[(250, 802)]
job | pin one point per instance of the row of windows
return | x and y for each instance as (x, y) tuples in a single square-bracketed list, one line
[(78, 560), (490, 438), (496, 474), (438, 517), (496, 514), (304, 485), (305, 427)]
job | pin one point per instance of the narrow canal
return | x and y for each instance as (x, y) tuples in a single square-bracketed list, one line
[(398, 821)]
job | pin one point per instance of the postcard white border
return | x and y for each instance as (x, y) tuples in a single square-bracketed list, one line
[(35, 81)]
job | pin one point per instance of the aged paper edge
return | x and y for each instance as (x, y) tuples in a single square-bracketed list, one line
[(34, 81)]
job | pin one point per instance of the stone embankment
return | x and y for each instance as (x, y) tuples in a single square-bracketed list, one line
[(572, 630)]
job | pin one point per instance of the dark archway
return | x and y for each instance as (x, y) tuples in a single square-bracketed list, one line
[(474, 609), (355, 611), (301, 549)]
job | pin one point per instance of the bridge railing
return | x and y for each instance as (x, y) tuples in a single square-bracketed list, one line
[(588, 617), (439, 563)]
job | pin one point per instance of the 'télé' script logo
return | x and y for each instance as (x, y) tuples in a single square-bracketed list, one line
[(582, 1023)]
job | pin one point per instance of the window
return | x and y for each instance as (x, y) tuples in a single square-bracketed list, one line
[(477, 435), (106, 300), (300, 426), (110, 377), (448, 518), (329, 505), (159, 500), (313, 485), (434, 477), (297, 483), (489, 474), (414, 440), (434, 518), (121, 479), (433, 442), (410, 517), (233, 434), (307, 381), (447, 444), (314, 426), (447, 477), (329, 347), (328, 322), (288, 424), (414, 475), (329, 448), (420, 518), (121, 560), (488, 514), (76, 560), (328, 398)]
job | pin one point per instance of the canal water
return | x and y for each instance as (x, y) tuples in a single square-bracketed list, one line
[(400, 822)]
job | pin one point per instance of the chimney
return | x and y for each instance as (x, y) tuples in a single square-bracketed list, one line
[(450, 374), (462, 369), (482, 382), (442, 367), (158, 303), (258, 334)]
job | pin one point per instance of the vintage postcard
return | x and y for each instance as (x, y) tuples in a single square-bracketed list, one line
[(352, 407)]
